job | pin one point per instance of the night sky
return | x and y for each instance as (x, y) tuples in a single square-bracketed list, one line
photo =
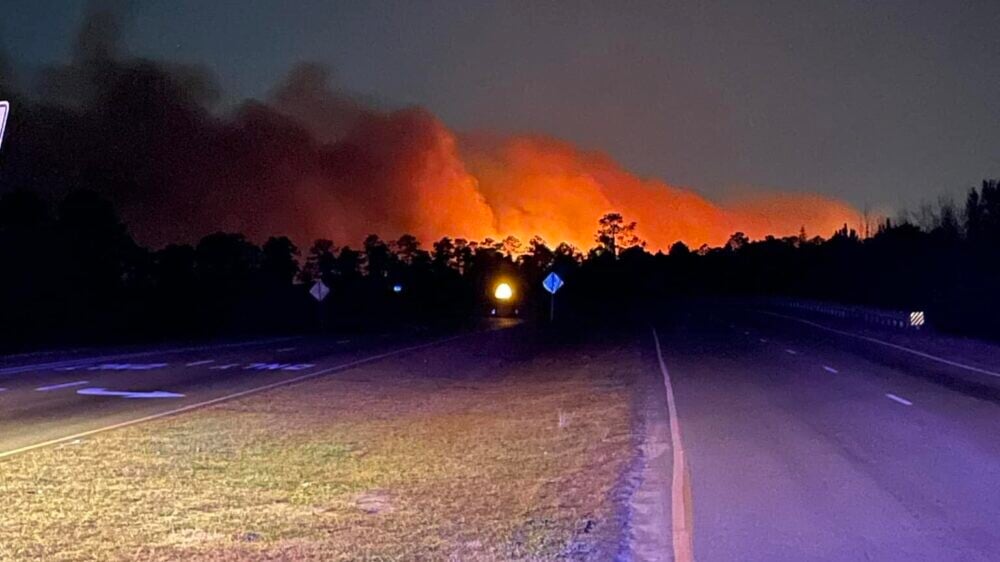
[(881, 104)]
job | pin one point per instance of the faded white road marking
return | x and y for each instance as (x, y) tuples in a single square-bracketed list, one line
[(72, 364), (680, 512), (342, 342), (63, 385), (887, 344), (284, 349), (902, 401), (830, 369), (127, 366), (190, 407), (763, 340), (224, 367), (128, 394), (196, 363), (791, 352)]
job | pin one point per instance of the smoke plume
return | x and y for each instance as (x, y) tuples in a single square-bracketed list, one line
[(312, 161)]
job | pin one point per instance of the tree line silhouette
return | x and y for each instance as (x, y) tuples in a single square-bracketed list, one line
[(73, 273)]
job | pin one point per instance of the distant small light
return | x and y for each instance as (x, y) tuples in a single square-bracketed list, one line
[(397, 288), (503, 292), (493, 312)]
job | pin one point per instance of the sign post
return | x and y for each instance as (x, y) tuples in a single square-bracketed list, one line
[(552, 283), (4, 111), (320, 291)]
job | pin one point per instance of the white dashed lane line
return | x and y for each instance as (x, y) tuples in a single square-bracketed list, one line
[(791, 352), (895, 398), (196, 363), (830, 369), (63, 385), (763, 340), (284, 349), (224, 367)]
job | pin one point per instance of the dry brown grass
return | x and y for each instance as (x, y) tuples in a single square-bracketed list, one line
[(371, 464)]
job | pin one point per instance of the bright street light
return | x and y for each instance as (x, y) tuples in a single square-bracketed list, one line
[(503, 292)]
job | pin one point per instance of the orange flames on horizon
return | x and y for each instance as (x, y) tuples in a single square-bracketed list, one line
[(433, 183), (406, 172)]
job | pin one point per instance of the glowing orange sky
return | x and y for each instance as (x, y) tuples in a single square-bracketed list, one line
[(478, 186)]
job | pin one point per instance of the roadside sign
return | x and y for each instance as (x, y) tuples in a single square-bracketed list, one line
[(319, 291), (552, 283), (4, 111)]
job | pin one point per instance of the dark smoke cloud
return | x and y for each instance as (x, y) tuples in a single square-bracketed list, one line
[(312, 161)]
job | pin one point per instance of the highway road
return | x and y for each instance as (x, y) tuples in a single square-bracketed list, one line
[(809, 444), (798, 443), (57, 396)]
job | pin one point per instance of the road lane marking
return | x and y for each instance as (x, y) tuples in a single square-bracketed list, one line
[(342, 342), (902, 401), (284, 349), (63, 385), (128, 393), (680, 509), (72, 364), (887, 344), (763, 340), (188, 408), (196, 363), (3, 390), (127, 366), (791, 352), (746, 333), (830, 369), (224, 367)]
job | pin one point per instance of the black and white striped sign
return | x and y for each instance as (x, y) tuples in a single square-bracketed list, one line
[(917, 319)]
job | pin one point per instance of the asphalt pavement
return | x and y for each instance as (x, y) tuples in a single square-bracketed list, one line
[(60, 396), (809, 444)]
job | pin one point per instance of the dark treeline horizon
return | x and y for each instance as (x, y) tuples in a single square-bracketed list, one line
[(72, 273)]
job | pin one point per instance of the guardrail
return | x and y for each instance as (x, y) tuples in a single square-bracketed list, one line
[(892, 318)]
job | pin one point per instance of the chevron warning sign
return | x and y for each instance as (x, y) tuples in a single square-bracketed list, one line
[(917, 319)]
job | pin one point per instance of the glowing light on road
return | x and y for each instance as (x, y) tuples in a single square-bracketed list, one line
[(503, 292), (397, 288)]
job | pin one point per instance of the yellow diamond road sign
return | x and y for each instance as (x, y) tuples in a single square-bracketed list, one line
[(4, 110)]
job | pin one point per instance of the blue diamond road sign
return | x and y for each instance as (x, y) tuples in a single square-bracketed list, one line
[(552, 283)]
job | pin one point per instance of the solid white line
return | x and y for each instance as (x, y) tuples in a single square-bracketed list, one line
[(791, 352), (830, 369), (680, 523), (240, 394), (196, 363), (887, 344), (902, 401), (63, 385)]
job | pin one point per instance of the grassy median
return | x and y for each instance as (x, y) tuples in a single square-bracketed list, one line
[(523, 460)]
